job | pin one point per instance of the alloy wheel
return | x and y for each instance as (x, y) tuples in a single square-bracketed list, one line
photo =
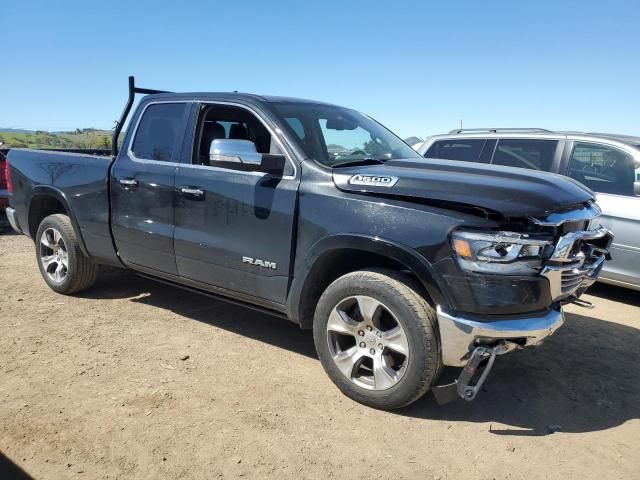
[(367, 343), (54, 256)]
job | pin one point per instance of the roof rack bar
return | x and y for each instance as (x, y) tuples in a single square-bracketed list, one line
[(127, 108), (496, 130)]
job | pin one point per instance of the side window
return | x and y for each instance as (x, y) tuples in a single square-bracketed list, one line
[(533, 154), (311, 148), (603, 169), (297, 127), (465, 150), (487, 151), (222, 122), (159, 132)]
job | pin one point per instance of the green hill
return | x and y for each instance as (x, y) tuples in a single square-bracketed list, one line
[(80, 138)]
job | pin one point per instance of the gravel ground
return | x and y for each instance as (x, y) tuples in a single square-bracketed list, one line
[(134, 379)]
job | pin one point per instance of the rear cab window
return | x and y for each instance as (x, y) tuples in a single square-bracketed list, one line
[(604, 168)]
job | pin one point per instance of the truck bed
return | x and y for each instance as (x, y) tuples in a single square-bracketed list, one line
[(78, 179)]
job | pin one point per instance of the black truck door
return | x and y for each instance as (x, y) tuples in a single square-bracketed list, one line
[(143, 187), (234, 226)]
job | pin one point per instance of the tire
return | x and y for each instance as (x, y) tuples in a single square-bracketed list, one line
[(62, 264), (390, 379)]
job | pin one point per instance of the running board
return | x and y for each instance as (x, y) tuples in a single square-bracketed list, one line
[(214, 295)]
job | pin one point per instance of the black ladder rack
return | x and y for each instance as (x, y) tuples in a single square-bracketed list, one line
[(127, 108)]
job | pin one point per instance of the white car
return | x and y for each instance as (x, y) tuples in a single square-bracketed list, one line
[(606, 163)]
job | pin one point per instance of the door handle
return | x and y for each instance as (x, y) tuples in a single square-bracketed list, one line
[(128, 182), (192, 192)]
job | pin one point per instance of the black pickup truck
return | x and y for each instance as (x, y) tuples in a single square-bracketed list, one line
[(319, 214)]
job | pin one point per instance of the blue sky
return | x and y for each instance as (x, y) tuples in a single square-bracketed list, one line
[(417, 67)]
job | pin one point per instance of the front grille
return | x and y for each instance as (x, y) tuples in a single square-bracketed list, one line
[(570, 280), (576, 262)]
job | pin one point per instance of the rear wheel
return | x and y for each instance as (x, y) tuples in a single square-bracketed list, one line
[(376, 338), (62, 264)]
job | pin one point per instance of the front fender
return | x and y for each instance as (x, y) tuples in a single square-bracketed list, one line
[(306, 272)]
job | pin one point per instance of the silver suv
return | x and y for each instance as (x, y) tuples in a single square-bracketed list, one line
[(608, 164)]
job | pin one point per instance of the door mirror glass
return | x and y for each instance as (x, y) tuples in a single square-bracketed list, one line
[(243, 155), (234, 151)]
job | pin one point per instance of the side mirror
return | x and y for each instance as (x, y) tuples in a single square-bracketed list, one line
[(234, 151), (636, 189), (244, 154)]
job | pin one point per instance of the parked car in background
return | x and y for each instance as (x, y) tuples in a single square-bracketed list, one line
[(4, 178), (608, 164), (417, 146), (414, 142)]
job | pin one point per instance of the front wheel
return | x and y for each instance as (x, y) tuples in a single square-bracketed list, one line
[(376, 338), (62, 264)]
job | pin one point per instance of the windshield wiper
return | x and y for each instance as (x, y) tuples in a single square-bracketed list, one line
[(360, 162)]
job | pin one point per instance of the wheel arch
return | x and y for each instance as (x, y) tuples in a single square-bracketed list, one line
[(45, 201), (337, 255)]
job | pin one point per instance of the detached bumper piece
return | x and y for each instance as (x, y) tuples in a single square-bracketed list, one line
[(464, 387), (479, 365)]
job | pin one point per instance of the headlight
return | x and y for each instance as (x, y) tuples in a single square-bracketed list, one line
[(506, 253)]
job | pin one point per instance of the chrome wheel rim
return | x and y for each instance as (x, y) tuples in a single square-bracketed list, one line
[(367, 343), (54, 256)]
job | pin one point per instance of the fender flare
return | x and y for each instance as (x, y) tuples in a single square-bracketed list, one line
[(417, 264), (49, 191)]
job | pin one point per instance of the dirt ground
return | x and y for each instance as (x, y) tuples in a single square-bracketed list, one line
[(134, 379)]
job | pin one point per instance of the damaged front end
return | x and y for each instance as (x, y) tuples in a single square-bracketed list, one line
[(508, 287)]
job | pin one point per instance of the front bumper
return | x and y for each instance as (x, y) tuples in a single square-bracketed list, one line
[(13, 221), (460, 335)]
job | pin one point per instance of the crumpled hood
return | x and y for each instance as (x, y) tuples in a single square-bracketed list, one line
[(512, 192)]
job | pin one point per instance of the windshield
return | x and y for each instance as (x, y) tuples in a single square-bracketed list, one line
[(337, 136)]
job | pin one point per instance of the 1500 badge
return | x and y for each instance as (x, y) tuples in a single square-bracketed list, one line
[(373, 180)]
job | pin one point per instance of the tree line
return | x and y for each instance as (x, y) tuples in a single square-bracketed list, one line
[(88, 138)]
